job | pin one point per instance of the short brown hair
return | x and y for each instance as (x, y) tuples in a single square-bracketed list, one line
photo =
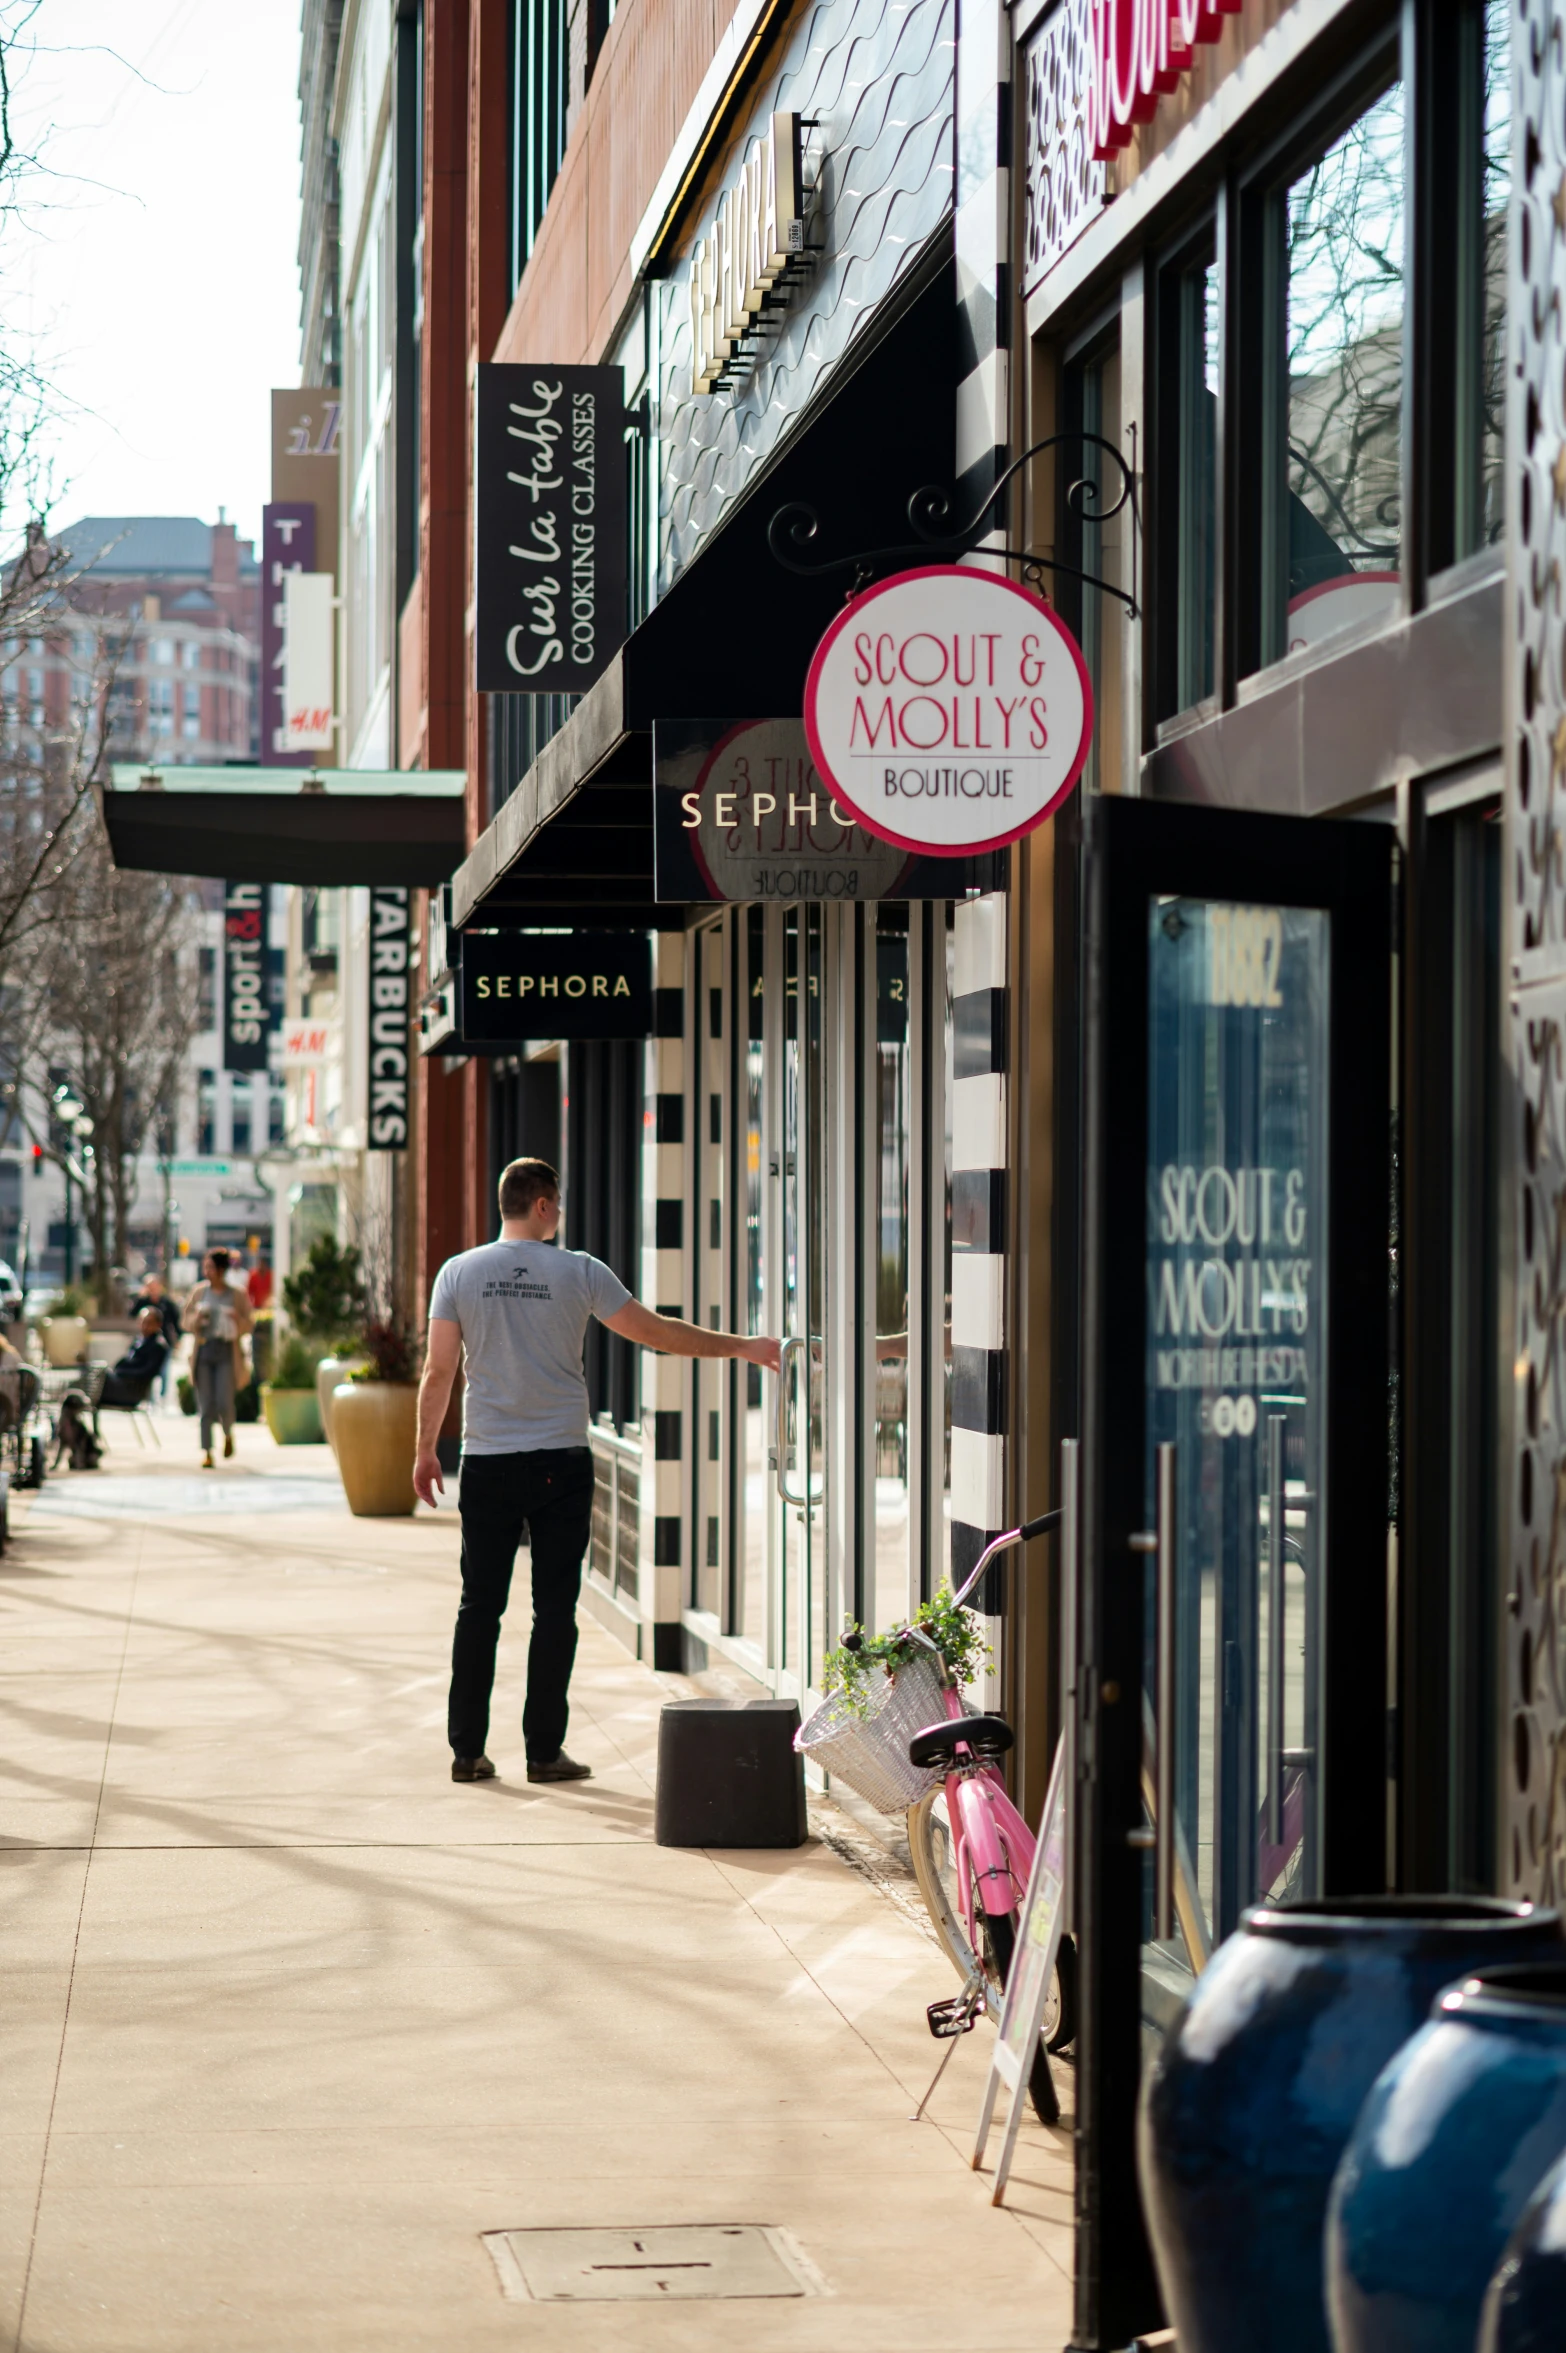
[(523, 1183)]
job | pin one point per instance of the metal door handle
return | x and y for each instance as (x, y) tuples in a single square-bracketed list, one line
[(784, 1490), (1070, 1520), (1277, 1425), (1164, 1669)]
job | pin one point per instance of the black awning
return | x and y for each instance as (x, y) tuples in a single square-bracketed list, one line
[(734, 636), (328, 826)]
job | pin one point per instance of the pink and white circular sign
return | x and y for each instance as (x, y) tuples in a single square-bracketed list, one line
[(949, 710)]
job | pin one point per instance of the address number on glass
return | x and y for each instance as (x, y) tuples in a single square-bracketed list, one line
[(1244, 956)]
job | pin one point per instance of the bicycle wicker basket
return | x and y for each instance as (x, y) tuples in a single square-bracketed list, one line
[(870, 1752)]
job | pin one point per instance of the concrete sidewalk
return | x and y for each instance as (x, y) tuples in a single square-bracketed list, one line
[(287, 2021)]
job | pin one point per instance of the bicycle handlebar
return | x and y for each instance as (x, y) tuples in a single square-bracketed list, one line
[(1046, 1521)]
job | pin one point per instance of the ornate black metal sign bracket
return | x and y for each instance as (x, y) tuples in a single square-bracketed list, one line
[(794, 528)]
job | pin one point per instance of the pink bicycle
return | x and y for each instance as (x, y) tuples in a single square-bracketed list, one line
[(971, 1850)]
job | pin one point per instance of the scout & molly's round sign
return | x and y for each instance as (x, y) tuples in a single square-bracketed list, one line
[(949, 710)]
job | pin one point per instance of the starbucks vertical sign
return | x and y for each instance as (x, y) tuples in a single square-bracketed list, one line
[(549, 527), (389, 1015)]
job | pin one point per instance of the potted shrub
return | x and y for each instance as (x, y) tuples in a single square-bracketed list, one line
[(65, 1331), (375, 1416), (293, 1414), (325, 1303)]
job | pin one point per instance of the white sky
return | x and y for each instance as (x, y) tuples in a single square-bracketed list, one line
[(154, 261)]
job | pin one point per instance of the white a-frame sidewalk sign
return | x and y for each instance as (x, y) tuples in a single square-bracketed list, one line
[(1027, 1990)]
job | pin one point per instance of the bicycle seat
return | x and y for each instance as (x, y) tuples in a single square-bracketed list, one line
[(985, 1736)]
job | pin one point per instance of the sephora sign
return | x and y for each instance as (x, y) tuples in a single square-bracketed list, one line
[(1140, 50), (948, 710)]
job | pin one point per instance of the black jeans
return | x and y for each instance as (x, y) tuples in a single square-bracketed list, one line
[(550, 1494)]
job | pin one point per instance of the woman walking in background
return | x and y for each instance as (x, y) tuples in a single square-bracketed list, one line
[(218, 1314)]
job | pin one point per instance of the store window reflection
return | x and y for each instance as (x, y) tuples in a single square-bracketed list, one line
[(1337, 528), (1496, 181), (1197, 300)]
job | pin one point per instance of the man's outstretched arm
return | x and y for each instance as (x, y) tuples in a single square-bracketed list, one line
[(675, 1337), (442, 1355)]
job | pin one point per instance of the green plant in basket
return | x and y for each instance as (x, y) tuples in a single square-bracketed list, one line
[(956, 1633)]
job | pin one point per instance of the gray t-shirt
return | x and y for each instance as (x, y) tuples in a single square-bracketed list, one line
[(522, 1308)]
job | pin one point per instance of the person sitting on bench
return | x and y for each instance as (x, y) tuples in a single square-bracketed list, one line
[(129, 1382)]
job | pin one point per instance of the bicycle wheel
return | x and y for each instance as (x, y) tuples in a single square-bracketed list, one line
[(929, 1848), (1060, 2007)]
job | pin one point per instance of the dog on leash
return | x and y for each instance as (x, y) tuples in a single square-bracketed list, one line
[(73, 1433)]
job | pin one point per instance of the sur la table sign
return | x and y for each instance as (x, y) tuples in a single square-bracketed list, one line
[(949, 710)]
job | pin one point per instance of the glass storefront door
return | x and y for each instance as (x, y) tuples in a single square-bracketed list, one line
[(821, 1126), (1238, 1258), (799, 1177), (1231, 1678)]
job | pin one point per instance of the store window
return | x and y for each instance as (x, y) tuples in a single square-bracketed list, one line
[(753, 1480), (714, 1386), (540, 93), (1188, 300), (894, 1137), (1485, 437), (1332, 523), (1097, 537)]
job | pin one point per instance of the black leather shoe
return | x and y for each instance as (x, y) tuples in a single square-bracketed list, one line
[(560, 1768), (472, 1769)]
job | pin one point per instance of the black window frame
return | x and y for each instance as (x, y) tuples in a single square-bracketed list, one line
[(1170, 270)]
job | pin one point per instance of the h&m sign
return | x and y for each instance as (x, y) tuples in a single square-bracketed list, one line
[(518, 985), (389, 1014), (549, 527), (757, 238)]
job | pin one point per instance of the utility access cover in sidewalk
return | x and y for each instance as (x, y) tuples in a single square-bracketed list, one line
[(678, 2259)]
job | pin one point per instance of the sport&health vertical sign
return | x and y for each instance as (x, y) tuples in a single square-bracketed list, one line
[(246, 1014)]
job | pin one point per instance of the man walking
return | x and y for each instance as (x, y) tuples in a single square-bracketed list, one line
[(515, 1313)]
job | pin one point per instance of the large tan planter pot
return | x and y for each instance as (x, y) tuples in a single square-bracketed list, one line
[(376, 1424), (64, 1338), (328, 1373), (293, 1416)]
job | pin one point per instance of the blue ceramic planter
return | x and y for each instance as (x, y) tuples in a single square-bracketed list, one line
[(1250, 2104), (1525, 2307), (1455, 2137)]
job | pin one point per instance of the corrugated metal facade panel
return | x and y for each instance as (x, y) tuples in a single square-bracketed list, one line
[(879, 80)]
